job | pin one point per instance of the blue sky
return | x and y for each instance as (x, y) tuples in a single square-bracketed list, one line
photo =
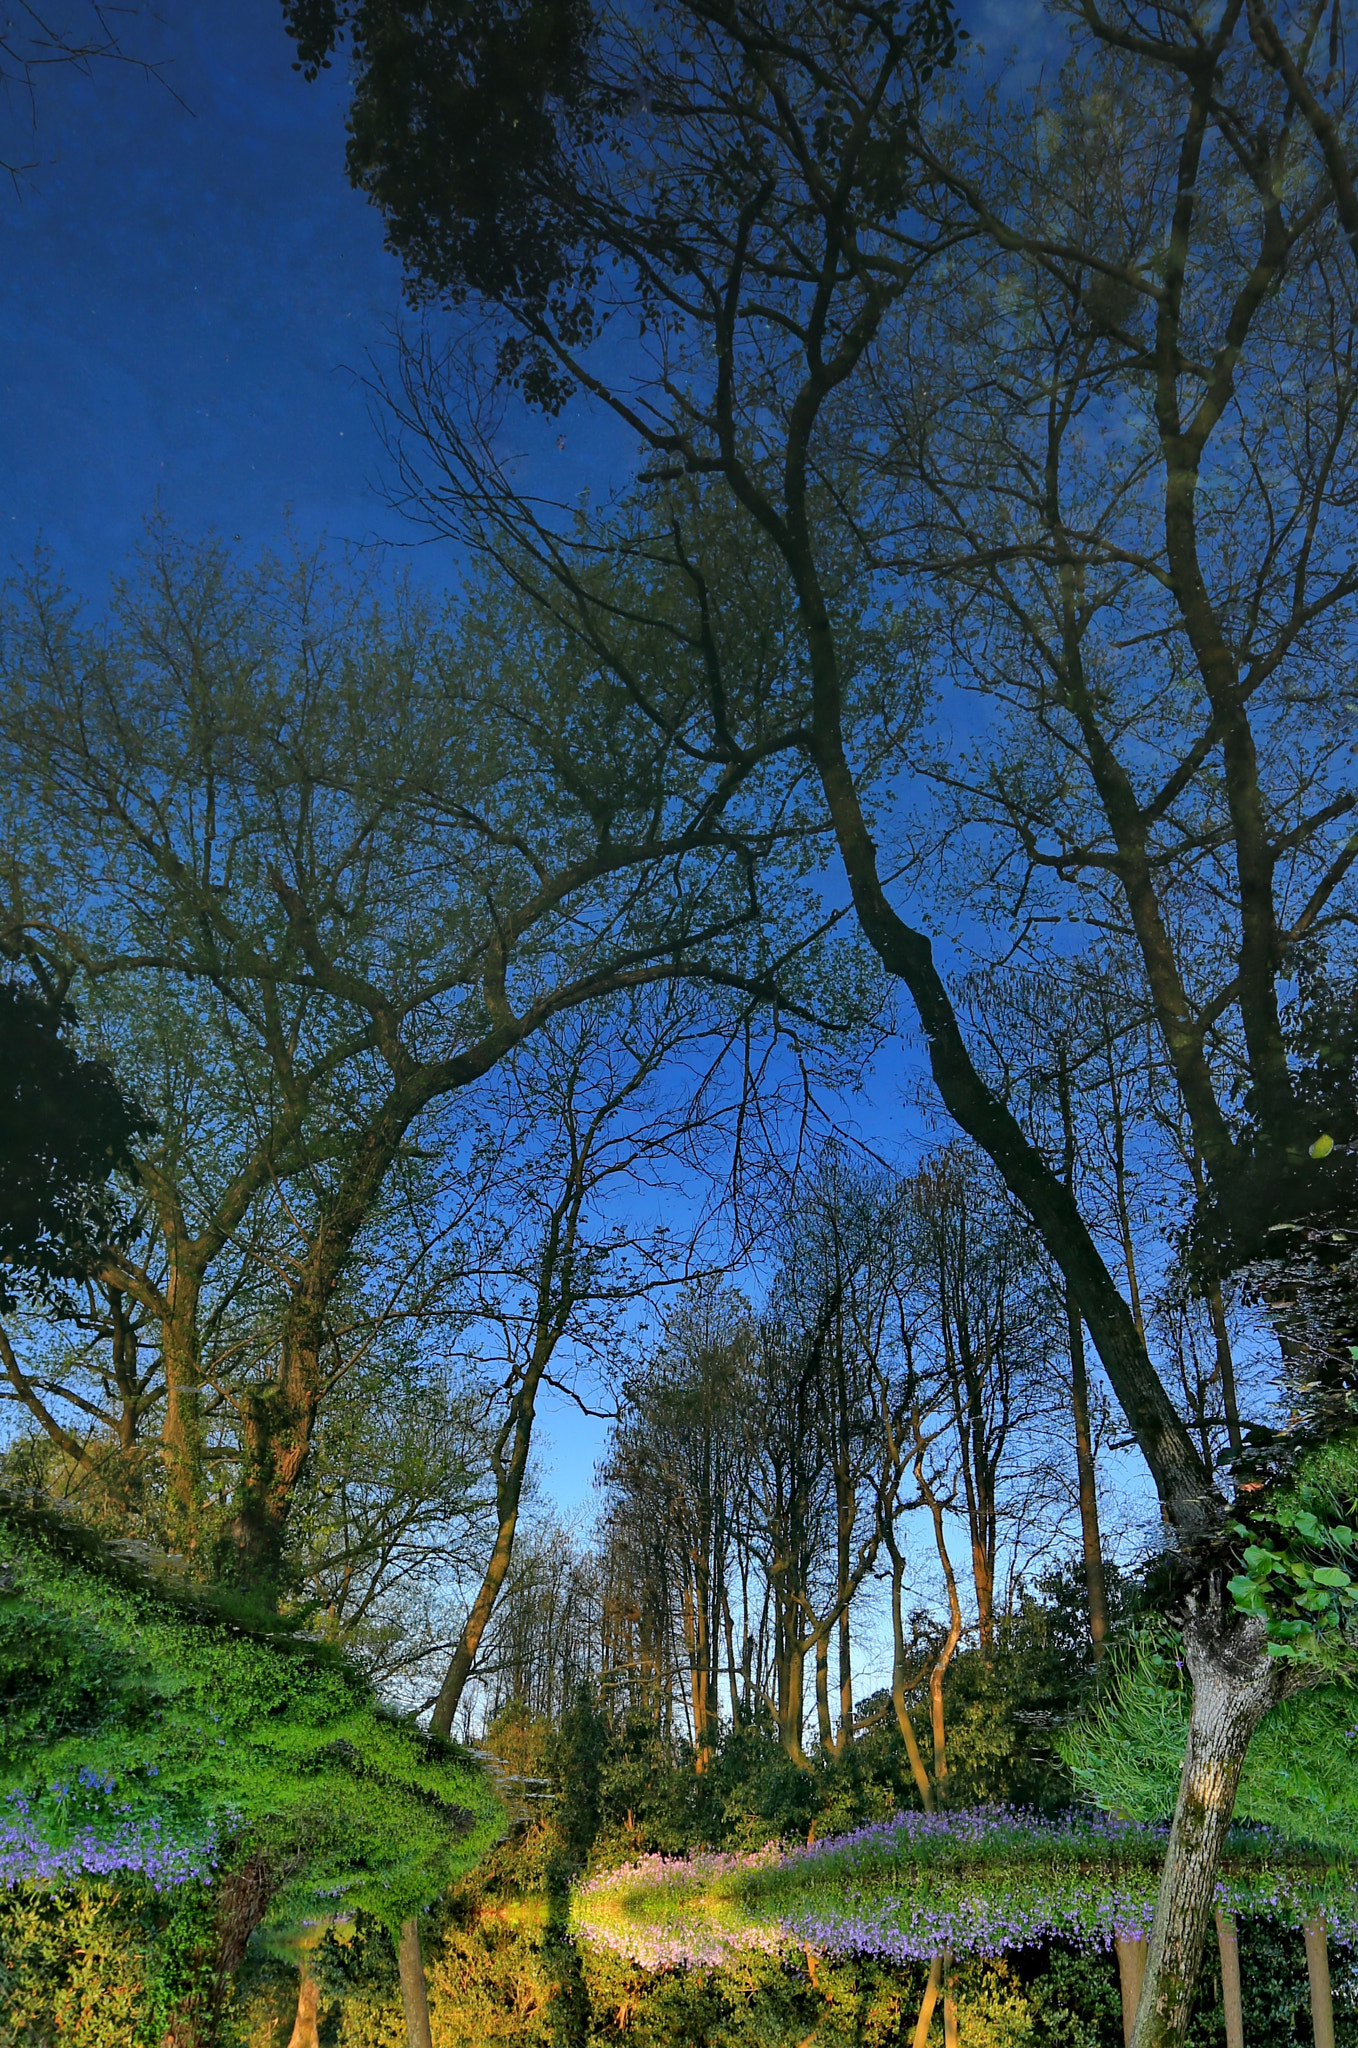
[(189, 293)]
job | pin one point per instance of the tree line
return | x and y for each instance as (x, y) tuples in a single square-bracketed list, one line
[(987, 548), (899, 1443)]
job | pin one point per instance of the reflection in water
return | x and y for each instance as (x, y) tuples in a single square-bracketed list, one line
[(649, 1959), (670, 1912)]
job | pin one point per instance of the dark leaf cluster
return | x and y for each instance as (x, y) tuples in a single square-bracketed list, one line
[(65, 1128)]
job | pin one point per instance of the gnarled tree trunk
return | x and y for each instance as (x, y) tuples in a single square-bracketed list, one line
[(1235, 1682)]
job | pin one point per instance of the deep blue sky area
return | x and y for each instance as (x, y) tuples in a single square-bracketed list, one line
[(191, 295), (188, 297)]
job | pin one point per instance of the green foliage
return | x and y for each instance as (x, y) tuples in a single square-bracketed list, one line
[(1301, 1771), (1301, 1561), (576, 1759), (102, 1965), (1075, 2002), (123, 1707), (65, 1126), (1005, 1708), (1003, 1715), (499, 1973)]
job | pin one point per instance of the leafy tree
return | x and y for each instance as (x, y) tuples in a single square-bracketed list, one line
[(329, 942)]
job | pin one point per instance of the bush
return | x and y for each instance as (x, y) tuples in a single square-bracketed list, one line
[(104, 1964)]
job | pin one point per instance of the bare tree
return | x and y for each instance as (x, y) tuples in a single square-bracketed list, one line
[(595, 1092), (677, 1463), (545, 1637), (36, 39), (985, 1331)]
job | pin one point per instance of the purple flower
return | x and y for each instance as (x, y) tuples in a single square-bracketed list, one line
[(30, 1852), (980, 1881)]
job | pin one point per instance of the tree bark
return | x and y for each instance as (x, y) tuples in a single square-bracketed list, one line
[(823, 1722), (305, 2031), (950, 2034), (1090, 1538), (1221, 1336), (928, 2002), (791, 1694), (1318, 1970), (1235, 1682), (414, 1991), (1228, 1947), (923, 1783), (181, 1433), (844, 1737), (937, 1723), (1131, 1953)]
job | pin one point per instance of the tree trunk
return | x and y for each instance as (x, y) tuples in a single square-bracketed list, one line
[(827, 1739), (844, 1739), (1318, 1970), (1086, 1481), (937, 1725), (305, 2032), (791, 1683), (918, 1772), (732, 1680), (983, 1578), (1090, 1539), (1228, 1947), (414, 1991), (950, 2035), (1235, 1682), (1221, 1336), (1131, 1951), (181, 1433), (705, 1639), (928, 2002)]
